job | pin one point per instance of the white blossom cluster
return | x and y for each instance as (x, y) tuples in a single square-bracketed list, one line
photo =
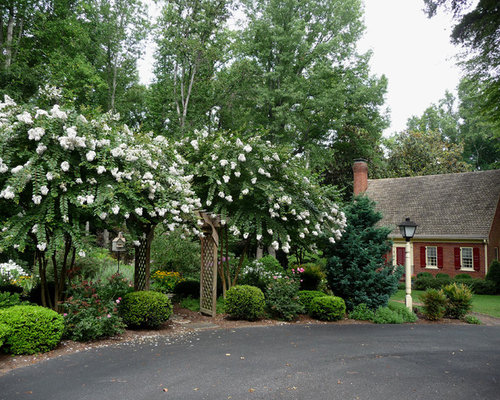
[(10, 269)]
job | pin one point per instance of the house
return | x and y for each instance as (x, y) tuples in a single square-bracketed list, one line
[(458, 217)]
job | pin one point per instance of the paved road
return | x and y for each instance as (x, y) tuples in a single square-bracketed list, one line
[(280, 362)]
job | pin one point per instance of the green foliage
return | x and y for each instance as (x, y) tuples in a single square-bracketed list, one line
[(470, 319), (434, 302), (170, 251), (194, 304), (245, 302), (188, 288), (165, 281), (305, 297), (480, 286), (440, 275), (282, 299), (33, 329), (459, 300), (356, 270), (404, 312), (145, 309), (362, 312), (4, 333), (11, 299), (327, 308), (116, 286), (493, 275), (425, 282), (88, 315), (311, 277), (385, 315), (424, 275), (260, 272), (460, 277)]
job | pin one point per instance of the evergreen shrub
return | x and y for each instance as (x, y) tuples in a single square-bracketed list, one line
[(245, 302), (460, 277), (459, 300), (481, 286), (434, 302), (493, 275), (441, 275), (188, 288), (311, 277), (305, 297), (327, 308), (282, 299), (362, 313), (424, 275), (8, 299), (32, 329), (146, 309)]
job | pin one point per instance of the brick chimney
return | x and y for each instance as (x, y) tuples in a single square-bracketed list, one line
[(360, 169)]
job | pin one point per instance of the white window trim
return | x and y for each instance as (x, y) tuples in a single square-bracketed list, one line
[(427, 266), (462, 268)]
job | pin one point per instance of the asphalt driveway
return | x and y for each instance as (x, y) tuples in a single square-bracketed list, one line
[(278, 362)]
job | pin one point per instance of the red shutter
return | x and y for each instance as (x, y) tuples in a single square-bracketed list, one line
[(477, 265), (423, 260), (457, 257), (400, 256), (440, 257)]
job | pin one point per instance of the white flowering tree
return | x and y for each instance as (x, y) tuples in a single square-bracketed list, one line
[(59, 170), (263, 194)]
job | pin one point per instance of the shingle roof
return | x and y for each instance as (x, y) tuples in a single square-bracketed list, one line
[(444, 206)]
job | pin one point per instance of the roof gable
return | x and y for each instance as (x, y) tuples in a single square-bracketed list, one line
[(450, 205)]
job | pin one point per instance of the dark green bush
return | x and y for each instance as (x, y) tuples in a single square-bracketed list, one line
[(481, 286), (4, 333), (8, 299), (282, 299), (425, 282), (10, 288), (305, 297), (362, 313), (117, 285), (459, 300), (311, 277), (35, 295), (327, 308), (462, 277), (424, 275), (441, 275), (33, 329), (434, 304), (145, 309), (188, 288), (403, 311), (384, 315), (493, 275), (245, 302)]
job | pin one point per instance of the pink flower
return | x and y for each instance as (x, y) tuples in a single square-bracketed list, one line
[(302, 280), (119, 298), (293, 271), (108, 316), (275, 277), (65, 314), (118, 301)]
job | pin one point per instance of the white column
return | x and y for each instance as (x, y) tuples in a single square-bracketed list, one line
[(408, 299)]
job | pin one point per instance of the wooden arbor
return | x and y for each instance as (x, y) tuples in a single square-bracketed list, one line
[(209, 252)]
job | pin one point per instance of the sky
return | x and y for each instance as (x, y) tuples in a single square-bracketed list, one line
[(412, 51)]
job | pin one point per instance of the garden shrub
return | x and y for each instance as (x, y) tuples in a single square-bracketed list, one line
[(459, 300), (282, 299), (305, 297), (4, 333), (145, 309), (327, 308), (188, 288), (470, 319), (404, 312), (10, 288), (362, 313), (116, 286), (493, 275), (245, 302), (384, 315), (165, 281), (441, 275), (424, 275), (462, 277), (261, 272), (481, 286), (434, 302), (311, 277), (11, 299), (33, 329), (88, 315), (425, 282)]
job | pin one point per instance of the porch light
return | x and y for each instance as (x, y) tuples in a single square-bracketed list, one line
[(407, 229)]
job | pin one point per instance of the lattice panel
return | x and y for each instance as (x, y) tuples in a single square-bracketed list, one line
[(140, 266), (208, 276)]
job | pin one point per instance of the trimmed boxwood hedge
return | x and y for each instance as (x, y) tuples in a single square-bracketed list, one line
[(305, 297), (327, 308), (245, 302), (32, 329), (146, 309)]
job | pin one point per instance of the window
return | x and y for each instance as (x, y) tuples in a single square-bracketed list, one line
[(466, 257), (431, 257)]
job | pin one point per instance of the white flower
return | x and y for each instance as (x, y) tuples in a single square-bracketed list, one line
[(44, 190), (239, 142), (65, 166), (89, 198), (36, 199), (233, 165), (214, 157), (103, 215), (71, 141), (244, 191), (225, 178), (65, 218), (245, 235), (301, 235), (209, 203), (221, 194), (127, 215), (100, 169), (276, 206), (185, 208), (194, 143), (276, 156), (3, 167), (147, 176), (81, 253), (270, 231), (138, 211), (25, 117), (39, 113), (229, 198), (261, 171), (115, 209), (223, 163), (253, 180), (34, 229), (17, 169), (90, 155), (58, 113), (259, 237), (237, 174), (49, 176), (247, 148), (41, 148), (242, 157), (275, 245), (137, 243), (42, 246), (331, 239), (36, 133)]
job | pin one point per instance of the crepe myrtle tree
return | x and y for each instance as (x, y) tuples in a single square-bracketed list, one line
[(59, 170), (262, 192)]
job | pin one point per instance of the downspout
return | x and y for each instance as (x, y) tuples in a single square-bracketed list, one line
[(485, 257)]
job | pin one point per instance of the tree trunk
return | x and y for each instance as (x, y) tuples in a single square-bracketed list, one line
[(8, 40), (143, 260)]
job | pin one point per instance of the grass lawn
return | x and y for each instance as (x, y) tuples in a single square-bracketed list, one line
[(194, 304), (481, 303)]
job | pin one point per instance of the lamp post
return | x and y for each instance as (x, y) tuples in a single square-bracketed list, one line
[(407, 229)]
